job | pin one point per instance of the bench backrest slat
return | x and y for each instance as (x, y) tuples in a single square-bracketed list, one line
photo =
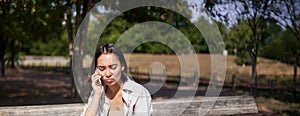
[(229, 105)]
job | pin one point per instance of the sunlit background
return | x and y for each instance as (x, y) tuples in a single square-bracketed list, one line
[(262, 47)]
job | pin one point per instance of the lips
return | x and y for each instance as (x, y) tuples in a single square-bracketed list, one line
[(109, 80)]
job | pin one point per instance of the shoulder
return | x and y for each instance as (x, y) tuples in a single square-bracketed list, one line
[(135, 88)]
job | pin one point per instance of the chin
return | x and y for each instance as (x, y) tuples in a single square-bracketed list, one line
[(111, 84)]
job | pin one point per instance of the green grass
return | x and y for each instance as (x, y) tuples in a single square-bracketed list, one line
[(283, 103)]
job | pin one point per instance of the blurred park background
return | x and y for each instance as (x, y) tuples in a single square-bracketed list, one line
[(262, 46)]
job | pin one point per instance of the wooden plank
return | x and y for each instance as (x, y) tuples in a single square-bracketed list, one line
[(60, 109), (229, 105)]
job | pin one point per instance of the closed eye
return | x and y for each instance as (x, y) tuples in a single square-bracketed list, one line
[(101, 68), (114, 66)]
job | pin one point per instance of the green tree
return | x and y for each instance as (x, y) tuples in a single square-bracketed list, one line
[(143, 14), (287, 14), (24, 22), (273, 46), (237, 41), (114, 29), (256, 14)]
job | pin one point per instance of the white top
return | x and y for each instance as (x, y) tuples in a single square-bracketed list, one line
[(137, 101)]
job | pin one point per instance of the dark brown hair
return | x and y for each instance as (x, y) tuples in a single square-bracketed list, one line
[(111, 48)]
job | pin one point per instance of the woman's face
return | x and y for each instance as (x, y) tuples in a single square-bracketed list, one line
[(110, 68)]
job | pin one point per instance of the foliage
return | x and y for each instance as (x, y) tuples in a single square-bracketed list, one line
[(237, 41), (282, 47), (30, 21), (129, 18), (287, 14), (39, 28)]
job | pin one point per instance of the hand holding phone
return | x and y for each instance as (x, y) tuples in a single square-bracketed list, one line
[(96, 82)]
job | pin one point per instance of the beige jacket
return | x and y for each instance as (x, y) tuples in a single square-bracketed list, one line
[(137, 101)]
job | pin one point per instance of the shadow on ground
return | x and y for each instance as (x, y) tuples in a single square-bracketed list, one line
[(35, 87)]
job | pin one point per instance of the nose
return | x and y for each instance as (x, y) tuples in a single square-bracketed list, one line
[(108, 73)]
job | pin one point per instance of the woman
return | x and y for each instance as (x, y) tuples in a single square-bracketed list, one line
[(113, 92)]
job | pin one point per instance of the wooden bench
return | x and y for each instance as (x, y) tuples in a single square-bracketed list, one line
[(229, 105)]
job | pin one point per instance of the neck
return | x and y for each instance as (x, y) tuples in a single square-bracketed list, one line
[(113, 90)]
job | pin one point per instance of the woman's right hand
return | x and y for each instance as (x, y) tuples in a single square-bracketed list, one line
[(96, 83)]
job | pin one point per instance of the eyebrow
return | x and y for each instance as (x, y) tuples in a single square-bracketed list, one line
[(108, 65)]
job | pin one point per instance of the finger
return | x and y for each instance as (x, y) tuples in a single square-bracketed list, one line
[(97, 83), (97, 79), (95, 76), (97, 71)]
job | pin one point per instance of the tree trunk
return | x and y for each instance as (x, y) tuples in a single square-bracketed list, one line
[(87, 5), (70, 27), (5, 9), (82, 9), (2, 55), (295, 77), (253, 54), (12, 60), (2, 65), (78, 14), (12, 49), (252, 88), (70, 36)]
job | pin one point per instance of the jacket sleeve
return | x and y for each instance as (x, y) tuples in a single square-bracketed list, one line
[(85, 108), (87, 104), (143, 105)]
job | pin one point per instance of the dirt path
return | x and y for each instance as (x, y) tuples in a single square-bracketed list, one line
[(27, 87), (31, 86)]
